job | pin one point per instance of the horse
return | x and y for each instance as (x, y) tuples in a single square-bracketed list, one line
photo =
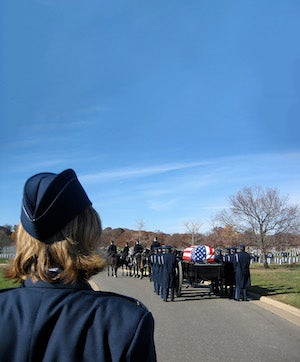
[(113, 264), (137, 265), (125, 263), (146, 265), (140, 264)]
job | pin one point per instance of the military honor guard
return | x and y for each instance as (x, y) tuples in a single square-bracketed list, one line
[(168, 274), (229, 273), (242, 273)]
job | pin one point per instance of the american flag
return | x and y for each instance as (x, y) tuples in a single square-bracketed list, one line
[(199, 253)]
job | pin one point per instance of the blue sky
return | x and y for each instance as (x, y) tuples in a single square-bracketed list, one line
[(163, 108)]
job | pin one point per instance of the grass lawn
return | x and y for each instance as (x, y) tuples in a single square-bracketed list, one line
[(280, 282), (3, 282), (6, 283)]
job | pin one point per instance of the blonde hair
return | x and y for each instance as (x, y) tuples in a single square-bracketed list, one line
[(72, 252)]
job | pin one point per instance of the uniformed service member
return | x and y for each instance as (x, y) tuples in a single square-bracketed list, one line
[(125, 251), (242, 273), (168, 274), (138, 248), (219, 256), (155, 244), (229, 273), (112, 249), (160, 263), (154, 270), (55, 315)]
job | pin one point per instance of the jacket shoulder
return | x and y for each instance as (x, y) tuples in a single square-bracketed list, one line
[(115, 300), (121, 297)]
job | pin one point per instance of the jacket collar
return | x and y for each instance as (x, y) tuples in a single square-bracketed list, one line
[(57, 285)]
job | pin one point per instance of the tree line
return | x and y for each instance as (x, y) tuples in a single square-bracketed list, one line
[(258, 217)]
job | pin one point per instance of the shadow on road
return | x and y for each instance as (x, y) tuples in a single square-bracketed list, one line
[(202, 293), (196, 293)]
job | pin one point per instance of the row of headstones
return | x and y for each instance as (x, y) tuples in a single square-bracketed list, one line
[(7, 255), (281, 260), (275, 260)]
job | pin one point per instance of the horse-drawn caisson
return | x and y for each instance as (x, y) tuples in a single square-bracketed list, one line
[(197, 267)]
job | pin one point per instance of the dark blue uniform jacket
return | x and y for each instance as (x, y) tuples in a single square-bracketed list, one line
[(54, 322), (242, 269), (168, 270)]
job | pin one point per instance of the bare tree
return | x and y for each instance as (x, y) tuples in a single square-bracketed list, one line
[(192, 227), (140, 227), (264, 212)]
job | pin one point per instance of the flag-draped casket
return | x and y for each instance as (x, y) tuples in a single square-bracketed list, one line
[(199, 254)]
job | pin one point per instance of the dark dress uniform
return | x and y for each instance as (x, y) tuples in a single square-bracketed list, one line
[(155, 244), (168, 276), (157, 263), (125, 252), (229, 273), (219, 258), (242, 274), (138, 248), (154, 271), (112, 250), (54, 322)]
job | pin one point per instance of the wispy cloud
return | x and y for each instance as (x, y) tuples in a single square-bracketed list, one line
[(204, 171), (35, 141), (161, 205), (193, 190), (38, 166), (135, 172), (62, 124)]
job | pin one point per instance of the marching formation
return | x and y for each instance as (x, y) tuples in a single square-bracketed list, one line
[(163, 262)]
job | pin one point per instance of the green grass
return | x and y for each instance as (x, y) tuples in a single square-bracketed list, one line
[(6, 283), (280, 282), (2, 261)]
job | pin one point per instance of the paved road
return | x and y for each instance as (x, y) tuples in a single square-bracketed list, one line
[(203, 328)]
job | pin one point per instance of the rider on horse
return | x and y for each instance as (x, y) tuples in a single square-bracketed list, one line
[(112, 249), (138, 248)]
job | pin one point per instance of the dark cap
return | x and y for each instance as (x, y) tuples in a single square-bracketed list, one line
[(165, 248), (50, 201)]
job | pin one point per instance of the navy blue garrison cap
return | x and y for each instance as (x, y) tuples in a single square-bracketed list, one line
[(50, 201)]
